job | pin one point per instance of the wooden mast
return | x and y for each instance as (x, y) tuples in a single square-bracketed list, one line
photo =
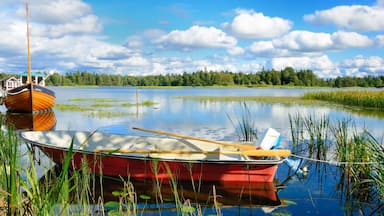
[(29, 79)]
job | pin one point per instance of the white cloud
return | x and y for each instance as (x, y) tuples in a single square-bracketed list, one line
[(252, 25), (197, 37), (83, 25), (59, 18), (12, 39), (363, 66), (55, 12), (267, 49), (136, 61), (355, 17), (143, 38), (321, 65), (304, 41), (345, 40), (379, 40), (236, 50)]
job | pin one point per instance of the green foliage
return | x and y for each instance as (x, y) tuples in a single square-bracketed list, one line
[(286, 77), (10, 171)]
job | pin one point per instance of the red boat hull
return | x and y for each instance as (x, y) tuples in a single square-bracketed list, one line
[(149, 168)]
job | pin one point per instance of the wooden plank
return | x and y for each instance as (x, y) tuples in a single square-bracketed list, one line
[(240, 146), (253, 153)]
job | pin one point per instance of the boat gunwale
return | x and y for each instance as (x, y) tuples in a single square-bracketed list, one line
[(146, 156)]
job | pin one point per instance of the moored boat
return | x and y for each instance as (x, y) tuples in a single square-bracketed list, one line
[(29, 98), (145, 157), (27, 94)]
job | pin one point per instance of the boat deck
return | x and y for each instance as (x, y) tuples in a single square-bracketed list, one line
[(102, 142)]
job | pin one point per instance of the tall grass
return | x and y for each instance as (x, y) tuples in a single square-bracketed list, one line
[(310, 133), (369, 99), (245, 125), (10, 172), (358, 154)]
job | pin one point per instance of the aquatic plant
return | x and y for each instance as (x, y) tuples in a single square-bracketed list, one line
[(310, 133), (297, 131), (44, 199), (369, 99), (10, 167), (245, 125), (358, 155)]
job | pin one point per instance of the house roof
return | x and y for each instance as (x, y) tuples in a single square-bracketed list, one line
[(34, 74)]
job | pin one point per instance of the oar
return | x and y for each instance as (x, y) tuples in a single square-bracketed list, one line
[(254, 153), (243, 147)]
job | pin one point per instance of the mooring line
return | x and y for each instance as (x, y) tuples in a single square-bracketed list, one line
[(336, 163)]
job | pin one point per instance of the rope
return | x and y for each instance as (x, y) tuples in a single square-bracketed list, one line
[(336, 163)]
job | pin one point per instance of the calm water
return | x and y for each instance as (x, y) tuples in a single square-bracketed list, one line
[(317, 193)]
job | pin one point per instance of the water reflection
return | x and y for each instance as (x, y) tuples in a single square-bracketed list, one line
[(31, 121), (169, 198)]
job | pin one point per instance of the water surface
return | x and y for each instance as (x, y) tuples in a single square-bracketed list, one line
[(317, 193)]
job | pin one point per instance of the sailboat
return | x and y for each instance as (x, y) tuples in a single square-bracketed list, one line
[(29, 95)]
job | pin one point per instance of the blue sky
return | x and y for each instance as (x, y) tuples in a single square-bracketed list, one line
[(147, 37)]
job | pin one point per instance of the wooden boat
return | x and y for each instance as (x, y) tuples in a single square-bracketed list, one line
[(31, 121), (145, 157), (29, 98), (29, 95)]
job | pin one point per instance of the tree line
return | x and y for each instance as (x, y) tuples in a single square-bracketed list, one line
[(285, 77)]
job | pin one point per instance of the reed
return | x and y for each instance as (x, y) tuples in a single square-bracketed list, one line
[(127, 204), (53, 197), (317, 128), (369, 99), (10, 172), (358, 154), (245, 125), (310, 134), (297, 130)]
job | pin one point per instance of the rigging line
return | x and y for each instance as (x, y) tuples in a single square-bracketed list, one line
[(336, 163)]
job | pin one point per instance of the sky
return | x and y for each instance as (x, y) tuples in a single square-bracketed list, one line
[(151, 37)]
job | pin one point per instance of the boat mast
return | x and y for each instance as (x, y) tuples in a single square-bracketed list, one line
[(29, 80)]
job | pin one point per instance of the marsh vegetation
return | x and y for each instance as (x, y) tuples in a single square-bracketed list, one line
[(101, 107)]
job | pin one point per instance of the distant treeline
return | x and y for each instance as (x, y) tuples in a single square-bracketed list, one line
[(286, 77)]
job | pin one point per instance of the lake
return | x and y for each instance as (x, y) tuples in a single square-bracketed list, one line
[(316, 193)]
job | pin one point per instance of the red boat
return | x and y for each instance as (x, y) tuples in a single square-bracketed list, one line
[(144, 157)]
